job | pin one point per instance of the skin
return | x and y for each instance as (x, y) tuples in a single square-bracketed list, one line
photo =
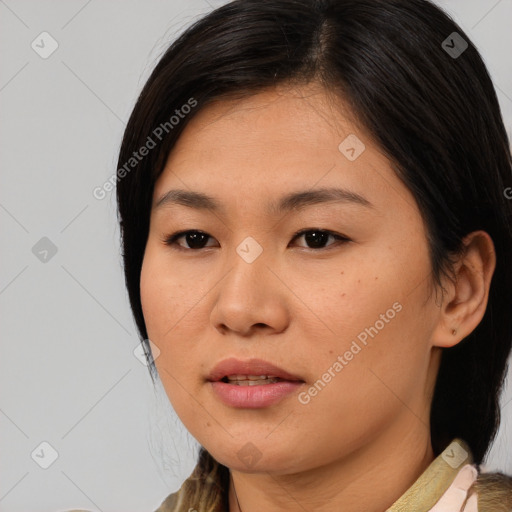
[(300, 307)]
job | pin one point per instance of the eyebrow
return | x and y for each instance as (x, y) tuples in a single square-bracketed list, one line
[(291, 201)]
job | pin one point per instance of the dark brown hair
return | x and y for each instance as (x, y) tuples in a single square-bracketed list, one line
[(433, 113)]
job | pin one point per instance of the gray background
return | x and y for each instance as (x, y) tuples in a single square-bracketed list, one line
[(68, 374)]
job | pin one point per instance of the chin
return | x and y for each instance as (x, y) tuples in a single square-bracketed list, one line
[(251, 458)]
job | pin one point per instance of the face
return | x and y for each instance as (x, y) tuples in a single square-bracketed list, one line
[(332, 289)]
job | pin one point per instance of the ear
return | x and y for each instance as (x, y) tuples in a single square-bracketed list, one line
[(465, 297)]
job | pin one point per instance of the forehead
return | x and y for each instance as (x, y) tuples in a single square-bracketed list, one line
[(275, 116), (278, 140)]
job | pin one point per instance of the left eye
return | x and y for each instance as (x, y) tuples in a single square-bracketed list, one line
[(318, 237), (196, 240)]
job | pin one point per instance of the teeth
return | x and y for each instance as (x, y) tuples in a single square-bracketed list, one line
[(252, 380), (250, 377)]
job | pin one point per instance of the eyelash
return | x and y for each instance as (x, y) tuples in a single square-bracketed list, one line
[(170, 240)]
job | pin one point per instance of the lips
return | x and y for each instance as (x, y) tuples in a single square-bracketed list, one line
[(252, 384), (238, 370)]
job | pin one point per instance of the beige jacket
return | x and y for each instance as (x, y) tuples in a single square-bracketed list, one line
[(452, 483)]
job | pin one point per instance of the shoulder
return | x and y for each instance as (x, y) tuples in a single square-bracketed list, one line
[(494, 492), (169, 504)]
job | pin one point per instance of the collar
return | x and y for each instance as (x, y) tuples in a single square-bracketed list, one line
[(438, 479)]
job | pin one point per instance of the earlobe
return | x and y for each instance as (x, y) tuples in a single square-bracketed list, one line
[(466, 296)]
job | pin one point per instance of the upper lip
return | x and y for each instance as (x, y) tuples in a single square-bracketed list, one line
[(233, 366)]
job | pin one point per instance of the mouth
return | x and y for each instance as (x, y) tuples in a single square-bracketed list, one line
[(252, 384), (254, 372)]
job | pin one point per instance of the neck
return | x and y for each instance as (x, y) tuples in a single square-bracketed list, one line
[(387, 466)]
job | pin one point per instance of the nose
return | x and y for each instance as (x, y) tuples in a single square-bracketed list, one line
[(251, 298)]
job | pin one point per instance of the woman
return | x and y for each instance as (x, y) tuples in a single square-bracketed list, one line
[(317, 238)]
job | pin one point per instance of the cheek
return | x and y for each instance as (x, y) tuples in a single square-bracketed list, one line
[(169, 305), (163, 308), (364, 295), (382, 317), (150, 270), (160, 310), (163, 295)]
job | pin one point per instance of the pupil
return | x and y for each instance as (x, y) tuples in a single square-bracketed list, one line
[(194, 237), (316, 239)]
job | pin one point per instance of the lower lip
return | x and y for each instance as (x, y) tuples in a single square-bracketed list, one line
[(254, 397)]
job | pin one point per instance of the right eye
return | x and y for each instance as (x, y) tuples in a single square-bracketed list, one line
[(195, 240)]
